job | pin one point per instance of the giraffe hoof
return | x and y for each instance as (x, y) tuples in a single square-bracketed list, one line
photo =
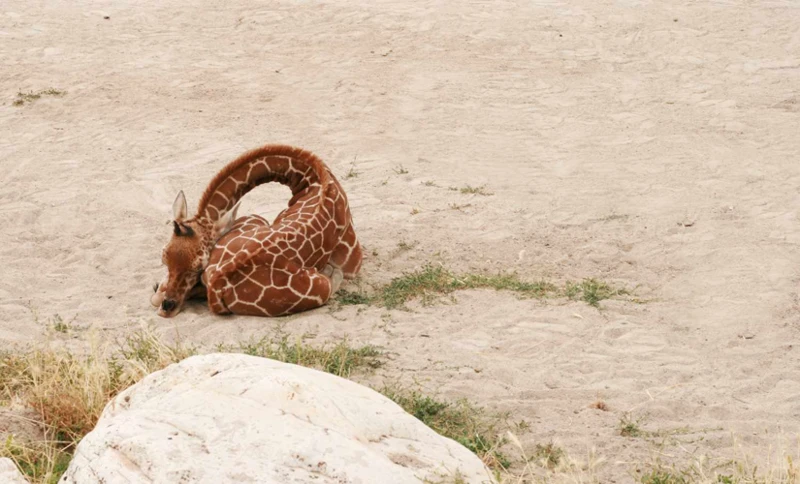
[(336, 279)]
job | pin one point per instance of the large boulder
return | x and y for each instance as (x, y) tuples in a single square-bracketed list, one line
[(227, 418)]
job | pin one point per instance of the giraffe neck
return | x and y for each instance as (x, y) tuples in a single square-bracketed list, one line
[(297, 169)]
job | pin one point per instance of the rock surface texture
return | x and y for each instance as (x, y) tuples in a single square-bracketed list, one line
[(9, 474), (233, 418)]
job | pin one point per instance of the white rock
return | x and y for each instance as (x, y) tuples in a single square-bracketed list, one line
[(225, 418), (9, 474)]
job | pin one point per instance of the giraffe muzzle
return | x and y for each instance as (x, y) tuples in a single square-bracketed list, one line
[(168, 305)]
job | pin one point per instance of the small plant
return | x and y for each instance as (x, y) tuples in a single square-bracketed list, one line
[(430, 183), (600, 405), (628, 427), (405, 246), (592, 291), (59, 325), (352, 173), (470, 190), (30, 96), (415, 211), (400, 170), (660, 476), (549, 455)]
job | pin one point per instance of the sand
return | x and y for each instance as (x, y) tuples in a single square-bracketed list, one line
[(653, 145)]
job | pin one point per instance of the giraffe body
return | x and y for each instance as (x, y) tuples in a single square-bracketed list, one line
[(250, 266)]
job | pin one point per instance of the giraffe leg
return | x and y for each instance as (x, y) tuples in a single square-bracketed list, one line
[(197, 292), (273, 289)]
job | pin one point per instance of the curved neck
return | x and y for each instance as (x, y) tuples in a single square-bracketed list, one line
[(289, 166)]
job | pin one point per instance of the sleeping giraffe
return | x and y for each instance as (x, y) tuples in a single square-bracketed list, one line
[(248, 266)]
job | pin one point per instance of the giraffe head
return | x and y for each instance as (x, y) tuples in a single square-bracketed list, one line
[(186, 255)]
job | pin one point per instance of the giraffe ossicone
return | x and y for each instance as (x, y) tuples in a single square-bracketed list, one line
[(247, 265)]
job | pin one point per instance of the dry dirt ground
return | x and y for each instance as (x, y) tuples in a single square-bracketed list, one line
[(649, 144)]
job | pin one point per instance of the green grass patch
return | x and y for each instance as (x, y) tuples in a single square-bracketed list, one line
[(432, 281), (38, 462)]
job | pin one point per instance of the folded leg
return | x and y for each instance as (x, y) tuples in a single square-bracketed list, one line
[(273, 286)]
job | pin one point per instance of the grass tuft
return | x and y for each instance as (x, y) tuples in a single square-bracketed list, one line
[(31, 96), (470, 190), (59, 325), (592, 291), (340, 360), (39, 462), (351, 298), (460, 421), (629, 427), (352, 173), (661, 476), (432, 281), (549, 455)]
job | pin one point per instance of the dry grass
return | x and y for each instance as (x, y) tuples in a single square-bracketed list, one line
[(600, 405), (693, 468), (68, 392), (31, 96), (740, 469)]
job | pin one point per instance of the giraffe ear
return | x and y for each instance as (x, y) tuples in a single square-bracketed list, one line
[(179, 209), (224, 224)]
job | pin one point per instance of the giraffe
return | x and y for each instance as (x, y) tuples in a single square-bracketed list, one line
[(247, 265)]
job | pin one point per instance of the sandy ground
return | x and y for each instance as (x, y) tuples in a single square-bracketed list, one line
[(651, 144)]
